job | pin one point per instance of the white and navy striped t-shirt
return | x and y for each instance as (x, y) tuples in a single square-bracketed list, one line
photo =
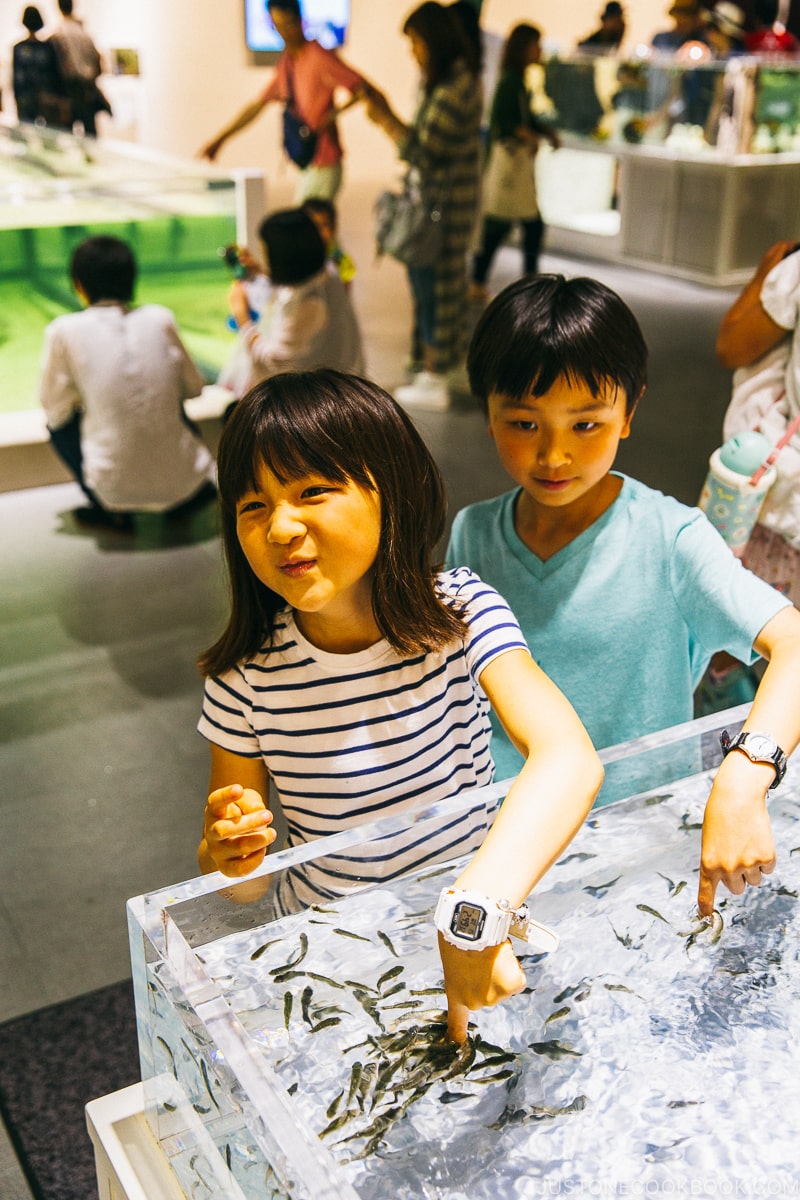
[(348, 738)]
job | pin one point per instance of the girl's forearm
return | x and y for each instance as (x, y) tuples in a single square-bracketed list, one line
[(544, 808)]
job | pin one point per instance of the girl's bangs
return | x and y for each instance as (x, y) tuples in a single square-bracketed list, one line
[(291, 445)]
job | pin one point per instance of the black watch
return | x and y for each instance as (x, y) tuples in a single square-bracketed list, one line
[(758, 747)]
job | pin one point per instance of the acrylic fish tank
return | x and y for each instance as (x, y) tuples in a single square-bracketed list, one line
[(292, 1051)]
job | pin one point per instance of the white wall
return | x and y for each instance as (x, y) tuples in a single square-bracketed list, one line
[(196, 72)]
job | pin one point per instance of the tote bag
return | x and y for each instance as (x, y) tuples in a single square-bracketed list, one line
[(509, 184), (409, 224)]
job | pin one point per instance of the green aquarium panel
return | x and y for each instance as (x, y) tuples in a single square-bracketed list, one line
[(55, 191)]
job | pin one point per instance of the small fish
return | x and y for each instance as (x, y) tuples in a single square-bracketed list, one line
[(683, 1103), (207, 1082), (652, 912), (305, 1001), (392, 991), (168, 1049), (579, 856), (555, 1049), (431, 991), (326, 1024), (357, 937), (568, 991), (331, 1110), (496, 1078), (202, 1109), (363, 987), (288, 1001), (538, 1112), (705, 930), (651, 800), (334, 983), (387, 941), (600, 889), (355, 1079), (619, 987), (293, 962), (675, 889), (392, 973), (262, 949), (558, 1014)]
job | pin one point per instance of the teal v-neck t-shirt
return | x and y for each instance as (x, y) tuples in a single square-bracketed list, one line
[(625, 618)]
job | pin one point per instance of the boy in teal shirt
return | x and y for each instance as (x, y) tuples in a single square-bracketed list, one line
[(622, 593)]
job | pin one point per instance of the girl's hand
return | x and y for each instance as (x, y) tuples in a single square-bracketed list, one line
[(237, 302), (236, 830), (476, 979)]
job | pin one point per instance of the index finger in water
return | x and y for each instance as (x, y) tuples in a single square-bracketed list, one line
[(705, 894), (457, 1021)]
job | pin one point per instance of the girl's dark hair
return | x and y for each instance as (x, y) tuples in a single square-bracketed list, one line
[(444, 36), (292, 7), (32, 19), (340, 427), (467, 16), (105, 268), (294, 245), (517, 45), (545, 327)]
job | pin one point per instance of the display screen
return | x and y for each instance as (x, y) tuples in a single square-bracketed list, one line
[(324, 21), (468, 920)]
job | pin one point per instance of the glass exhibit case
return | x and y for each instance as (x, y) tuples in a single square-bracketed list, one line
[(689, 168), (56, 189), (300, 1052)]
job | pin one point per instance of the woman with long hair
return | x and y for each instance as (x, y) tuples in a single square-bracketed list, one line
[(442, 143)]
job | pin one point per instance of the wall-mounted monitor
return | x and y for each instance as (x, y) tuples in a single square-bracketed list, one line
[(324, 21)]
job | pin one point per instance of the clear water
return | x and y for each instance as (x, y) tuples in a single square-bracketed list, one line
[(638, 1058)]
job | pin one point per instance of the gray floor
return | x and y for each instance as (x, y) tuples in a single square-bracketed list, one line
[(103, 775)]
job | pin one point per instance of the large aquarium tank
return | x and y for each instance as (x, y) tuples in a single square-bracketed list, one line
[(57, 189), (300, 1052)]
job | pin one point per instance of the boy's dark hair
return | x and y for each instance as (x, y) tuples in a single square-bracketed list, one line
[(339, 427), (292, 7), (322, 207), (443, 36), (545, 327), (32, 19), (105, 268), (294, 245), (516, 47)]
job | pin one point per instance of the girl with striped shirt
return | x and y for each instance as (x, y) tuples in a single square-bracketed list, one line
[(358, 679)]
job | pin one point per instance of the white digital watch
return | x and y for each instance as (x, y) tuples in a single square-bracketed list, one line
[(473, 921)]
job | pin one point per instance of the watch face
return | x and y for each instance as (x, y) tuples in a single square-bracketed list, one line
[(468, 921), (761, 746)]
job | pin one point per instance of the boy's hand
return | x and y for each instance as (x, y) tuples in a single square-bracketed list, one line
[(737, 845), (237, 302), (237, 829), (476, 979)]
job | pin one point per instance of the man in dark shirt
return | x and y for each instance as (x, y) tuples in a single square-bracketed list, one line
[(607, 38)]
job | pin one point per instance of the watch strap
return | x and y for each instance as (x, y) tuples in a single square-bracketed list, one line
[(520, 923), (741, 741)]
